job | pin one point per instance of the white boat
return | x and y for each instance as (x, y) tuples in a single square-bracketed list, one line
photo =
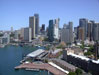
[(2, 46)]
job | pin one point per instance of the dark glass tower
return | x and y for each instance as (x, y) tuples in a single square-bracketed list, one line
[(51, 31)]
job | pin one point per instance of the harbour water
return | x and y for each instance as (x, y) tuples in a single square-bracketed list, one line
[(10, 56)]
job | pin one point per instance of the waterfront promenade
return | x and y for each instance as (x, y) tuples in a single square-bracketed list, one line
[(44, 66)]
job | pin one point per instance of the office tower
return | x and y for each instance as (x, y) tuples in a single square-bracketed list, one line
[(56, 28), (89, 31), (50, 31), (93, 23), (96, 48), (96, 32), (81, 33), (83, 23), (27, 34), (67, 33), (43, 27), (22, 34), (32, 26), (16, 35), (11, 29), (36, 23), (75, 32), (71, 31)]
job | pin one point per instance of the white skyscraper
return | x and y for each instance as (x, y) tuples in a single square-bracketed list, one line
[(56, 29), (22, 33)]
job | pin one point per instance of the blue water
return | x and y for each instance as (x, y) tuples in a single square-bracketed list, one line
[(10, 56)]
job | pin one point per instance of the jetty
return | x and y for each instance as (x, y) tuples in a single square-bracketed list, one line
[(43, 66)]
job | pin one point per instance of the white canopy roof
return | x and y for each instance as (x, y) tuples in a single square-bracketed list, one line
[(58, 67), (35, 53)]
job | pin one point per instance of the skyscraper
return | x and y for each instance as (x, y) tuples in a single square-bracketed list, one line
[(32, 25), (67, 33), (43, 27), (36, 23), (27, 34), (81, 34), (83, 23), (96, 49), (22, 34), (56, 28), (96, 32), (71, 31), (11, 29), (89, 31), (50, 31), (75, 32)]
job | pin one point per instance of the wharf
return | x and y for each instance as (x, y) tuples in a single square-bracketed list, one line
[(44, 66)]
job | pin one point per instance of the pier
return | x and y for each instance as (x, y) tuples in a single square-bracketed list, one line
[(44, 66)]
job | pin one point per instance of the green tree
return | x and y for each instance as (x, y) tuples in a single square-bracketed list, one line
[(91, 48), (88, 53), (78, 71), (45, 39)]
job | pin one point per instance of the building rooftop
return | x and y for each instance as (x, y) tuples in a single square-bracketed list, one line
[(84, 58), (35, 53), (64, 63)]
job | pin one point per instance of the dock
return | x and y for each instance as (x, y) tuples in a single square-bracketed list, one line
[(44, 66)]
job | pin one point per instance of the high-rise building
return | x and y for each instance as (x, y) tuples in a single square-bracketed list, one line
[(67, 33), (83, 23), (89, 31), (27, 34), (96, 48), (71, 31), (56, 28), (50, 31), (16, 35), (22, 34), (81, 33), (43, 27), (32, 25), (96, 32), (11, 29), (75, 32), (36, 24)]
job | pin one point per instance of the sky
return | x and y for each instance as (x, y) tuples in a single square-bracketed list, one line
[(15, 13)]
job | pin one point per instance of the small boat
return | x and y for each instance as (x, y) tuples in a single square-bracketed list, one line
[(2, 46)]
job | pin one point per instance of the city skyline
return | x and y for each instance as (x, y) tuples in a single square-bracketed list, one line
[(16, 13)]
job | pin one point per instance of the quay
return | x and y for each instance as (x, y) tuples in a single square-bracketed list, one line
[(43, 66)]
